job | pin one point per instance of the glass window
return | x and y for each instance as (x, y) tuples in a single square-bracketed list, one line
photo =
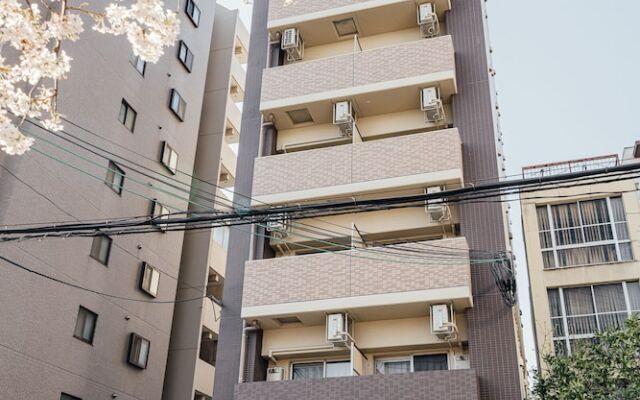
[(115, 177), (193, 11), (177, 104), (583, 233), (588, 310), (338, 368), (307, 371), (139, 64), (85, 325), (149, 279), (221, 236), (169, 158), (127, 115), (101, 249), (185, 55), (138, 351), (161, 213), (430, 362), (208, 347), (393, 366)]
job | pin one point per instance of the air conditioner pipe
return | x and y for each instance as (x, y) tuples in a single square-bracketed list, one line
[(243, 346)]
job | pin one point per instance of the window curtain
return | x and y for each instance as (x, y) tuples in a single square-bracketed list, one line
[(308, 371), (611, 305), (580, 311)]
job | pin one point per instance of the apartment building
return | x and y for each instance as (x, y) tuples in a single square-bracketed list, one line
[(194, 340), (128, 148), (356, 99), (581, 246)]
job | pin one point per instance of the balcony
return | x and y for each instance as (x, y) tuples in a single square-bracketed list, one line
[(204, 377), (369, 78), (432, 385), (411, 161), (372, 284)]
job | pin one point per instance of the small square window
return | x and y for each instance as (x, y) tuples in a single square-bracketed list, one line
[(345, 27), (185, 55), (149, 279), (127, 115), (66, 396), (115, 177), (177, 104), (139, 64), (138, 351), (169, 158), (85, 325), (300, 116), (193, 11), (101, 249)]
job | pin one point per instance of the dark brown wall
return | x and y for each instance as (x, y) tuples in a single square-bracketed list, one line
[(434, 385), (230, 336), (492, 344)]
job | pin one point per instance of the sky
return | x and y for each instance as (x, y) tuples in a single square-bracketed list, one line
[(568, 83)]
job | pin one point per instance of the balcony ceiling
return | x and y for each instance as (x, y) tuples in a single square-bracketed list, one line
[(318, 29)]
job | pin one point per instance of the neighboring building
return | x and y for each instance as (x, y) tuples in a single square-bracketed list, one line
[(360, 99), (194, 336), (136, 127), (582, 247)]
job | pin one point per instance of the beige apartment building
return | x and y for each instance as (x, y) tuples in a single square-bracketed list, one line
[(133, 135), (354, 100), (194, 338), (581, 246)]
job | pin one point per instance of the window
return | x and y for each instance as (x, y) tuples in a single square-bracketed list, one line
[(127, 115), (65, 396), (221, 236), (85, 325), (578, 313), (138, 351), (185, 55), (149, 279), (208, 346), (169, 158), (101, 249), (161, 212), (177, 104), (193, 12), (139, 64), (416, 363), (320, 369), (199, 396), (115, 177), (584, 233), (215, 285)]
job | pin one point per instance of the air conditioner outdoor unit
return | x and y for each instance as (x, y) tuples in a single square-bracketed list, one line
[(436, 210), (279, 228), (343, 117), (275, 374), (442, 320), (339, 326), (292, 44), (431, 104), (428, 20)]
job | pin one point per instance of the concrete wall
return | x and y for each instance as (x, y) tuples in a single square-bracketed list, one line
[(39, 357)]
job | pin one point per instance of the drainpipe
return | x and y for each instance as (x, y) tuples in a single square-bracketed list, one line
[(243, 346)]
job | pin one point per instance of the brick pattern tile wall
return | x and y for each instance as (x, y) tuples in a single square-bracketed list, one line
[(433, 385), (290, 8), (336, 275), (360, 162), (383, 64)]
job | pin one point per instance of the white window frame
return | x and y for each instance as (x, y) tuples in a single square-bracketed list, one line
[(324, 363), (564, 317), (556, 247), (410, 358), (149, 279)]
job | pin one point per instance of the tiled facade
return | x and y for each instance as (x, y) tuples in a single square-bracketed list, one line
[(433, 385), (351, 273), (350, 71), (421, 153)]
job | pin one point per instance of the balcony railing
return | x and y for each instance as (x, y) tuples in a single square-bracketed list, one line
[(371, 277), (431, 385), (430, 156), (428, 59), (566, 167)]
